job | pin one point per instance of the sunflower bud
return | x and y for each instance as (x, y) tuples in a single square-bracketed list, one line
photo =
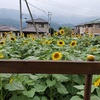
[(90, 58)]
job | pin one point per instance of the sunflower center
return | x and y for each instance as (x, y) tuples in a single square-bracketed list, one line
[(12, 39), (73, 43), (1, 42), (60, 43), (62, 32), (56, 55)]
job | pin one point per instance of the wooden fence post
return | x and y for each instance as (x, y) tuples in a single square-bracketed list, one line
[(88, 84)]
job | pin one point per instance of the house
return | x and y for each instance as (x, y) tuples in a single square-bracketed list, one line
[(89, 27), (5, 28), (41, 25)]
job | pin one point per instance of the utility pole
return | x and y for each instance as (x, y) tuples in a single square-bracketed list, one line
[(32, 18), (20, 3), (49, 21)]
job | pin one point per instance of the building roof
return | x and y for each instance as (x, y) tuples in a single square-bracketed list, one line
[(96, 21), (39, 20), (79, 25), (5, 28), (32, 29)]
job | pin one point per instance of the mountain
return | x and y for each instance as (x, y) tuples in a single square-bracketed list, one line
[(12, 17), (56, 25), (12, 14), (11, 22)]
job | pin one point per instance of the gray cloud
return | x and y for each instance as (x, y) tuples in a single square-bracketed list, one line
[(57, 7)]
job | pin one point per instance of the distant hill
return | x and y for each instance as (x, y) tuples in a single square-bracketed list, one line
[(56, 26), (11, 17), (12, 14), (11, 22)]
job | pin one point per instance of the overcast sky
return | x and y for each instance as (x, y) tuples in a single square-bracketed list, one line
[(57, 7)]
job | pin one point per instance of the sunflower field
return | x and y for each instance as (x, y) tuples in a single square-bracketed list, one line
[(60, 46)]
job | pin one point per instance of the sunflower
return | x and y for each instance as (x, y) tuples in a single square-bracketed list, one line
[(11, 80), (10, 32), (25, 42), (94, 49), (90, 57), (56, 56), (5, 33), (97, 83), (87, 32), (49, 42), (5, 36), (62, 32), (73, 43), (32, 38), (55, 33), (0, 38), (31, 35), (2, 42), (60, 42), (13, 39), (91, 35), (49, 34), (28, 35), (78, 35), (1, 56), (22, 35), (72, 35)]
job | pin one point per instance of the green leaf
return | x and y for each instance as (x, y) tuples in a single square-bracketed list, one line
[(61, 89), (13, 86), (33, 77), (29, 93), (81, 93), (50, 82), (30, 82), (94, 97), (5, 75), (93, 88), (60, 77), (36, 98), (78, 79), (98, 91), (71, 89), (22, 77), (79, 87), (44, 98), (71, 57), (42, 76), (40, 87), (76, 98), (31, 58), (22, 97)]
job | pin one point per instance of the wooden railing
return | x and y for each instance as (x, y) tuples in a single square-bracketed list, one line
[(54, 67)]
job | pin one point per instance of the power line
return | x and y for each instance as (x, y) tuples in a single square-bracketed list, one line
[(49, 13), (36, 7), (63, 6), (67, 5)]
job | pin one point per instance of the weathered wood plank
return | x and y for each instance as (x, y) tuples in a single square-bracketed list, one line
[(57, 67)]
